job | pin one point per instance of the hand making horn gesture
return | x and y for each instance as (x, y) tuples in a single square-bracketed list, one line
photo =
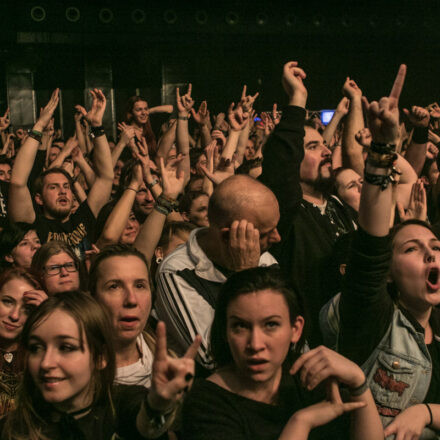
[(172, 377)]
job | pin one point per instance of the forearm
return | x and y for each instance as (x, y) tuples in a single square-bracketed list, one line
[(80, 136), (161, 109), (435, 409), (87, 170), (416, 155), (242, 142), (58, 162), (24, 162), (79, 192), (365, 422), (231, 145), (205, 135), (103, 158), (117, 151), (118, 218), (331, 127), (351, 149), (149, 234), (166, 142), (147, 427)]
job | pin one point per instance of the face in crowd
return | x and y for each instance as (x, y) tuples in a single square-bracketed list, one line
[(139, 112), (56, 197), (316, 166), (21, 255), (349, 186), (415, 268), (61, 274), (123, 288)]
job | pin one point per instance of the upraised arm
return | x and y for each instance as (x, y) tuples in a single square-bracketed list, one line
[(340, 112), (100, 192), (351, 150), (20, 207)]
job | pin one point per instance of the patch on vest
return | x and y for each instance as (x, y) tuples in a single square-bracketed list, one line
[(388, 382), (387, 411)]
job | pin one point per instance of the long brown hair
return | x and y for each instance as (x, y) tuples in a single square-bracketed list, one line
[(29, 418), (147, 130)]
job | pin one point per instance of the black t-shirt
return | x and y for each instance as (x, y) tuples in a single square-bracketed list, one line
[(4, 190), (212, 413), (101, 423), (78, 231)]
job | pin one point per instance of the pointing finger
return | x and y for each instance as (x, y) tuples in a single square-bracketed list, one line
[(398, 83)]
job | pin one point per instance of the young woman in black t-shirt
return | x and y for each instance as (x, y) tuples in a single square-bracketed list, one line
[(251, 395)]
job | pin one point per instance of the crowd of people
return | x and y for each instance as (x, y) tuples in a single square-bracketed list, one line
[(245, 275)]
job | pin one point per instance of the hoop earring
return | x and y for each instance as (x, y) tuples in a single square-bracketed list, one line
[(159, 260)]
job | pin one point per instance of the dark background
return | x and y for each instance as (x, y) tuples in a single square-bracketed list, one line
[(147, 48)]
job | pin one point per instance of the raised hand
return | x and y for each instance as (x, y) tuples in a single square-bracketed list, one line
[(322, 363), (343, 106), (431, 151), (276, 115), (247, 101), (383, 116), (350, 89), (243, 245), (237, 117), (325, 411), (96, 113), (219, 137), (47, 111), (127, 132), (202, 114), (185, 102), (292, 81), (171, 377), (434, 110), (364, 137), (418, 116), (417, 207), (5, 121), (34, 297), (173, 179)]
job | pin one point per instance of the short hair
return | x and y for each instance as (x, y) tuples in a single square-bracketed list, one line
[(174, 228), (5, 160), (241, 283), (187, 199), (114, 250), (39, 181), (48, 250), (10, 237)]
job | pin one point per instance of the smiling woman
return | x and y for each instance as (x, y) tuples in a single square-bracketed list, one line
[(19, 293)]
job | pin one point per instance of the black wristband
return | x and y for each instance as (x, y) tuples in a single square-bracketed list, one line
[(97, 131), (430, 415), (34, 134), (359, 390)]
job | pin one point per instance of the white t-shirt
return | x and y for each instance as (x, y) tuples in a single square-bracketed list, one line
[(138, 373)]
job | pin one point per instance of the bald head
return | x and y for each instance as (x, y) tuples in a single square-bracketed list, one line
[(241, 197)]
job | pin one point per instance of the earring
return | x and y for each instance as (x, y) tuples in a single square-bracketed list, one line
[(159, 260)]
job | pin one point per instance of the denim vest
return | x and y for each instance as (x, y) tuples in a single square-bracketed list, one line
[(399, 369)]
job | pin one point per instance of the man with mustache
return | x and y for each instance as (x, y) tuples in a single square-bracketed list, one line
[(297, 167)]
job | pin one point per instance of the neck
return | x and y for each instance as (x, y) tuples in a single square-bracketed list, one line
[(209, 243), (311, 194), (136, 125), (51, 217), (8, 346), (126, 354), (265, 392)]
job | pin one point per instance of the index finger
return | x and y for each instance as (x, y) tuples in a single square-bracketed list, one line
[(398, 82), (160, 353), (243, 93), (189, 89), (191, 353)]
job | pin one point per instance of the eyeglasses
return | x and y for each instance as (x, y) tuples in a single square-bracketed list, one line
[(55, 269)]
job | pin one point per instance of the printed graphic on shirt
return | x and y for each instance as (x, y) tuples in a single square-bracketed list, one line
[(387, 411), (388, 382)]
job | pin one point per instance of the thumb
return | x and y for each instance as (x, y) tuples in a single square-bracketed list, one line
[(406, 111), (390, 429)]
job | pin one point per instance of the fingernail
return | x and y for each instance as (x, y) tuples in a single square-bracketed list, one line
[(188, 377)]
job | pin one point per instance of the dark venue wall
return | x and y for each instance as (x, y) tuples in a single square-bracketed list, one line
[(148, 48)]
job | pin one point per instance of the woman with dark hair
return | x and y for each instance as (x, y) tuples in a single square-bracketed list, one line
[(58, 268), (67, 390), (18, 244), (255, 337), (19, 294)]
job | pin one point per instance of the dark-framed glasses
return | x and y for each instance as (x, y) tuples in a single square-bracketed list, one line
[(55, 269)]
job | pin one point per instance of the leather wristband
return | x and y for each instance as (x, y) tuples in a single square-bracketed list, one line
[(153, 183), (162, 209), (354, 392), (97, 132), (37, 135), (183, 118)]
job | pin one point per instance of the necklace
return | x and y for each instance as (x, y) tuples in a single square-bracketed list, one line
[(8, 356)]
